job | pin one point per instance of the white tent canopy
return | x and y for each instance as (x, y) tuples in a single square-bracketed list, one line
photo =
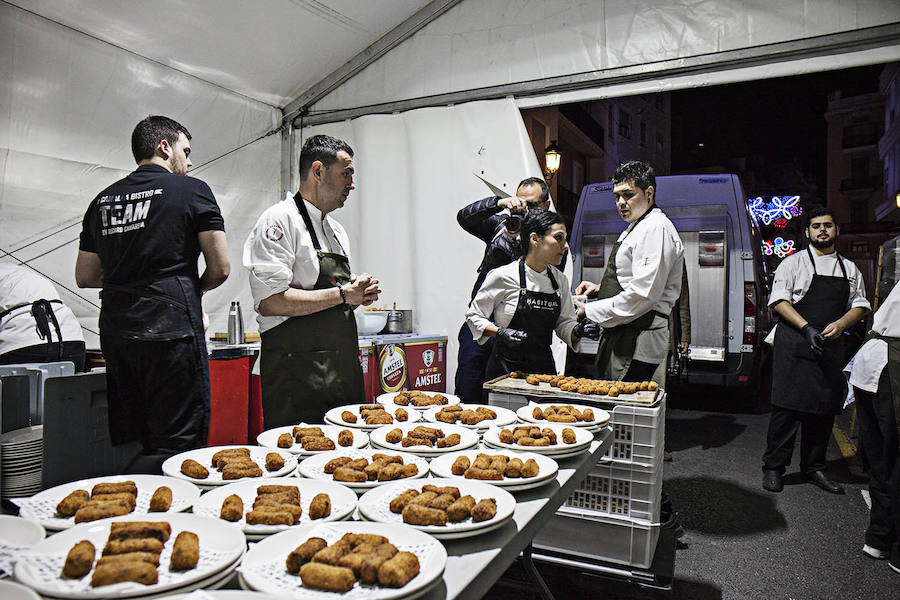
[(76, 76)]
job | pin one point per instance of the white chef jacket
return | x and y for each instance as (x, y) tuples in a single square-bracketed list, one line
[(280, 254), (18, 329), (795, 273), (648, 266), (496, 301), (871, 359)]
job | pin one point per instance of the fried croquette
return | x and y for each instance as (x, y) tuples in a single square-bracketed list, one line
[(424, 498), (185, 552), (358, 464), (550, 434), (482, 461), (506, 436), (161, 500), (447, 417), (193, 469), (133, 545), (275, 462), (129, 498), (137, 571), (333, 553), (388, 458), (228, 453), (317, 444), (530, 468), (345, 438), (461, 509), (517, 375), (399, 503), (444, 489), (69, 505), (460, 465), (448, 442), (241, 470), (416, 514), (302, 432), (368, 571), (484, 474), (320, 507), (93, 511), (379, 418), (140, 529), (327, 577), (122, 487), (397, 471), (292, 490), (147, 557), (513, 468), (373, 469), (398, 570), (430, 433), (334, 463), (355, 539), (393, 436), (568, 435), (303, 553), (562, 418), (401, 414), (587, 414), (401, 399), (270, 515), (285, 440), (348, 417), (415, 441), (532, 379), (498, 463), (485, 510), (442, 501), (79, 560), (349, 475), (528, 441)]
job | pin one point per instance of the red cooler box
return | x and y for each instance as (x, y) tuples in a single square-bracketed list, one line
[(411, 362), (369, 364)]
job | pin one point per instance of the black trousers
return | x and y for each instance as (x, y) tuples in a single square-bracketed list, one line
[(815, 431), (878, 434), (41, 353), (158, 392), (640, 371), (471, 361)]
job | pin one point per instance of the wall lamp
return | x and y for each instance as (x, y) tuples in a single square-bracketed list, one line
[(552, 156)]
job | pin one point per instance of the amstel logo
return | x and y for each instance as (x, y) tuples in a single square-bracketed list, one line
[(428, 357), (392, 363)]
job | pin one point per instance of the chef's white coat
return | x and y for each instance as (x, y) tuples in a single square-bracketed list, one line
[(18, 329), (496, 301), (871, 359), (648, 267), (279, 252), (795, 273)]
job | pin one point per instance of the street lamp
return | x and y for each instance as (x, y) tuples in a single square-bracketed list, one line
[(552, 157)]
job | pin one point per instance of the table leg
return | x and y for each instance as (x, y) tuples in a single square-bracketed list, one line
[(534, 574)]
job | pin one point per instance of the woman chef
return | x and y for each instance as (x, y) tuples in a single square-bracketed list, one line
[(522, 303)]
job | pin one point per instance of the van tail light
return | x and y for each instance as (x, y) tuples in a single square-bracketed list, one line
[(749, 312)]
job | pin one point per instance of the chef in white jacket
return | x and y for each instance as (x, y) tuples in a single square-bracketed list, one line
[(875, 378)]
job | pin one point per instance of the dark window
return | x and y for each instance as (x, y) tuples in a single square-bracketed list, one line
[(609, 119), (624, 124), (643, 134), (859, 167)]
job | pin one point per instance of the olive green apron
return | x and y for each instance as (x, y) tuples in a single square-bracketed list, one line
[(893, 366), (617, 344), (310, 363)]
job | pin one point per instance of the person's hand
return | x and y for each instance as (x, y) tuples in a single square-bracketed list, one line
[(587, 288), (515, 204), (362, 290), (684, 347), (586, 328), (205, 318), (833, 330), (814, 338), (512, 338)]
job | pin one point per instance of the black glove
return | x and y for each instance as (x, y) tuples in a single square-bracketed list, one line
[(511, 337), (814, 338), (586, 328)]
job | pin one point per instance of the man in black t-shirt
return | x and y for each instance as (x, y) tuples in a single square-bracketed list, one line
[(140, 241)]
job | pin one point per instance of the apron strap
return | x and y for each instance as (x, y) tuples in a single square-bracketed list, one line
[(839, 261), (522, 277), (301, 206)]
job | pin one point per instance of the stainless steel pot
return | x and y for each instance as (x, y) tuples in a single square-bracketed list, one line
[(399, 321)]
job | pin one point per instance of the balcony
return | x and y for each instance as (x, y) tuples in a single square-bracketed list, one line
[(859, 186), (859, 135)]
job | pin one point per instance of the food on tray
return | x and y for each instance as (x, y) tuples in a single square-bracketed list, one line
[(484, 510), (320, 507), (232, 508), (393, 436), (401, 414), (147, 557), (419, 398), (348, 417), (132, 552), (275, 462), (241, 470), (161, 500), (448, 489), (440, 505), (193, 469), (94, 510), (285, 440), (228, 454), (532, 435), (269, 516), (185, 552), (568, 435), (447, 442), (565, 413), (69, 505), (327, 577), (599, 387), (312, 443), (273, 505), (399, 570), (460, 465), (301, 432), (399, 503), (345, 438), (383, 467), (133, 545), (122, 487), (79, 560), (303, 553), (126, 530), (494, 467), (422, 436), (378, 418), (136, 571), (461, 509), (416, 514)]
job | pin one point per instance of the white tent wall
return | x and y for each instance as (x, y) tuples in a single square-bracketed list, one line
[(415, 170), (69, 103), (481, 44)]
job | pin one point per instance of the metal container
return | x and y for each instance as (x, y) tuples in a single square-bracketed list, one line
[(399, 321), (235, 324)]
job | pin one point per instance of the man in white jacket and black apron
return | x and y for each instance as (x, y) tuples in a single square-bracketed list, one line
[(818, 295)]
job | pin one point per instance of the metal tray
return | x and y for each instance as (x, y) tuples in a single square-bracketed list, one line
[(509, 385)]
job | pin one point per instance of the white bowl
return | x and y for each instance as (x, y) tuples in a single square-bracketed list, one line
[(370, 322)]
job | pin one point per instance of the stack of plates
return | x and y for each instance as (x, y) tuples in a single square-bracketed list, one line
[(22, 457)]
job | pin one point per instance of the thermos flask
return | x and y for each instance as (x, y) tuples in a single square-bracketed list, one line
[(235, 324)]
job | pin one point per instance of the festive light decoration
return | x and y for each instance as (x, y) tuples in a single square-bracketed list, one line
[(779, 207), (780, 223), (779, 247)]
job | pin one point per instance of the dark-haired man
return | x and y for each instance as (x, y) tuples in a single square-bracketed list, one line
[(488, 220), (304, 292), (817, 295), (641, 283), (140, 242)]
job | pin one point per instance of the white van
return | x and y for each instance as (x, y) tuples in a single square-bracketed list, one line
[(724, 264)]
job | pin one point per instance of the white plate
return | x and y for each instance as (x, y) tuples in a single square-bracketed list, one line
[(504, 416), (22, 438), (467, 439), (214, 582), (547, 468), (601, 417), (313, 467), (263, 567), (269, 438), (388, 399), (343, 501), (333, 416), (557, 457), (42, 506), (220, 545), (16, 591), (19, 532), (224, 595), (172, 465), (583, 439), (374, 505)]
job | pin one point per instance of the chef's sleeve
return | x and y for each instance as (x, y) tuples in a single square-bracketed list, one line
[(567, 314), (269, 256), (481, 308), (858, 290), (783, 282)]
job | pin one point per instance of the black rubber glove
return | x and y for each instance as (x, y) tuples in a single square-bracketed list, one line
[(586, 328), (511, 337), (814, 338)]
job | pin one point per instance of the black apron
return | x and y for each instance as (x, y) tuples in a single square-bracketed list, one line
[(802, 381), (893, 367), (536, 314), (310, 363), (615, 350), (43, 315)]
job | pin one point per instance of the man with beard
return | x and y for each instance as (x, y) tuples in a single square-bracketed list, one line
[(817, 295)]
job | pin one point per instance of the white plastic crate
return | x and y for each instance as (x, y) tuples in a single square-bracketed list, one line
[(613, 489), (600, 538), (638, 432)]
